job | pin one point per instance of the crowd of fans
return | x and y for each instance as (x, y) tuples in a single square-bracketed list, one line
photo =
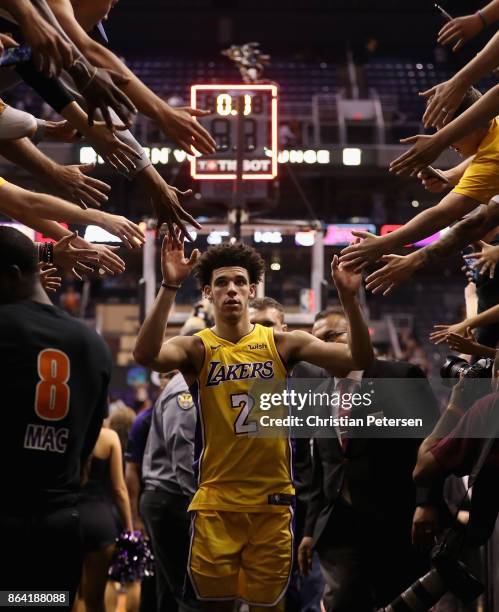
[(365, 512)]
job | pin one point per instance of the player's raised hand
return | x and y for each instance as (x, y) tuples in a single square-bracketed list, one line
[(180, 125), (444, 99), (347, 282), (366, 249), (397, 269), (424, 151), (175, 266), (459, 30)]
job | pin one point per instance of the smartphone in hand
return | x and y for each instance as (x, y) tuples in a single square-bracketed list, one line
[(437, 174), (443, 12), (15, 55)]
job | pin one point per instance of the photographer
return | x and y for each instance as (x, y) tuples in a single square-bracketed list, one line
[(450, 449), (463, 443), (464, 437)]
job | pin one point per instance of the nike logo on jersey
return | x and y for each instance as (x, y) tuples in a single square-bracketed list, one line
[(220, 373)]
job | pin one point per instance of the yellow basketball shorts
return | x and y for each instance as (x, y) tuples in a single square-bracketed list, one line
[(241, 555)]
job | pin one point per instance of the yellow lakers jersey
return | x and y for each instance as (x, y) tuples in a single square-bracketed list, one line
[(237, 470)]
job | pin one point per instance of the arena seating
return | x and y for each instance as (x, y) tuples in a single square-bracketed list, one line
[(395, 81)]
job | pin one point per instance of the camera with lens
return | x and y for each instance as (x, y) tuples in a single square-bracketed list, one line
[(456, 367), (447, 574)]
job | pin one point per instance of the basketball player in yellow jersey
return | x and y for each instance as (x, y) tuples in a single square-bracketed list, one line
[(241, 542)]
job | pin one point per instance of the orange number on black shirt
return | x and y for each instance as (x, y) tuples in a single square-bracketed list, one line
[(52, 392)]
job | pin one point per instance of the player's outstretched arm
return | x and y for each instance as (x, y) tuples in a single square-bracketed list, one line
[(177, 353), (335, 357), (348, 285)]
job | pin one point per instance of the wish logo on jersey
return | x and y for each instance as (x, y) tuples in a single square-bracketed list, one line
[(220, 373)]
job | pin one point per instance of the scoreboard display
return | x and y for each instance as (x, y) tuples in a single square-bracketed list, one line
[(259, 116)]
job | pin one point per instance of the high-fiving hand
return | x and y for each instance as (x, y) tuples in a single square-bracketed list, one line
[(424, 151), (347, 282), (367, 248), (48, 277), (397, 269), (485, 260), (459, 30), (180, 125), (168, 210), (443, 101), (175, 266)]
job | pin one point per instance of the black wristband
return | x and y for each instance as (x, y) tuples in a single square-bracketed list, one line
[(168, 286)]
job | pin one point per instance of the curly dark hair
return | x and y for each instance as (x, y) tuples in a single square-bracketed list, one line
[(228, 255)]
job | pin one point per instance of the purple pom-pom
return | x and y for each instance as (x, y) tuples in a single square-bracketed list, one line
[(132, 558)]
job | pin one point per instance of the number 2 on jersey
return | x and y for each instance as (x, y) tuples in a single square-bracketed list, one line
[(52, 392), (244, 403)]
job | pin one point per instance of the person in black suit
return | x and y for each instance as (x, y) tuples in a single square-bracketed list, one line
[(364, 513)]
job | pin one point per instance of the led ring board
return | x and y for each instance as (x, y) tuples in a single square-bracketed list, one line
[(260, 131)]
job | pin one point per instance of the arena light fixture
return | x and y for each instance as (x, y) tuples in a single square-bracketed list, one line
[(267, 237), (352, 156), (93, 233), (306, 239)]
